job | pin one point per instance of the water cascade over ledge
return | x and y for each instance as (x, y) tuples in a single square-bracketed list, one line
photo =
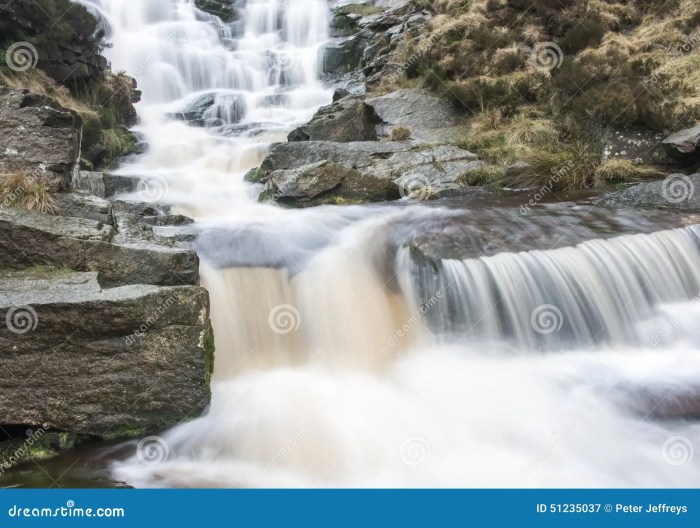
[(342, 360)]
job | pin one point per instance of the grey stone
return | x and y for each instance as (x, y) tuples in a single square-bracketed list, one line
[(82, 359), (28, 240), (677, 191), (316, 172), (38, 136), (684, 144)]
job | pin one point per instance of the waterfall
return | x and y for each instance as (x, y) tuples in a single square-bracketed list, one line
[(345, 360), (593, 293)]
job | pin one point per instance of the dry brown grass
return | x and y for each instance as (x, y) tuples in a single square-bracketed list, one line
[(21, 190), (38, 82)]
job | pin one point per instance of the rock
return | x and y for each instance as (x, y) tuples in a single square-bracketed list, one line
[(81, 358), (315, 172), (684, 145), (103, 185), (343, 55), (677, 191), (212, 109), (517, 170), (633, 143), (347, 119), (431, 117), (227, 10), (83, 206), (39, 136), (29, 239), (64, 34)]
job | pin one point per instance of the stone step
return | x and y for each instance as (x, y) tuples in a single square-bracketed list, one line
[(104, 362), (29, 240)]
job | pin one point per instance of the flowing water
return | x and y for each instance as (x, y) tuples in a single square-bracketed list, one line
[(344, 360)]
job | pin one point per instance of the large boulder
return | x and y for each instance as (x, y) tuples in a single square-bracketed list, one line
[(348, 119), (427, 115), (317, 172), (108, 363), (64, 39), (39, 137), (684, 145)]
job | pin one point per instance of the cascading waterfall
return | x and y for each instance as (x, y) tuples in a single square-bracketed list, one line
[(585, 295), (341, 361)]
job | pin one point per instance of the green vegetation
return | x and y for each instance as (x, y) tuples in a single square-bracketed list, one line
[(103, 99), (359, 9), (542, 79)]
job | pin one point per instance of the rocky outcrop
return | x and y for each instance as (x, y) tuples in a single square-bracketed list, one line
[(367, 43), (64, 36), (677, 191), (227, 10), (348, 119), (32, 239), (108, 363), (423, 115), (317, 172), (39, 137), (684, 145)]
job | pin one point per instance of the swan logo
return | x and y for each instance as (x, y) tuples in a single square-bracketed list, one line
[(153, 189), (21, 56), (283, 57), (415, 450), (21, 319), (152, 450), (677, 450), (417, 188), (677, 188), (284, 319), (547, 56), (546, 319)]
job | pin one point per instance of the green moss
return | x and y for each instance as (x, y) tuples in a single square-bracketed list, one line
[(125, 433), (119, 142), (359, 9), (209, 355)]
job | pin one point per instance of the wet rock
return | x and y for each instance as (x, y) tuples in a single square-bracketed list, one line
[(81, 358), (677, 191), (227, 10), (315, 172), (212, 109), (39, 136), (344, 55)]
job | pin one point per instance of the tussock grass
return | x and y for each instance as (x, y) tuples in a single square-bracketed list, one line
[(21, 190)]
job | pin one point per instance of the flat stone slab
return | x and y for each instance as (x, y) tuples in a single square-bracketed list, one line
[(104, 362), (28, 240)]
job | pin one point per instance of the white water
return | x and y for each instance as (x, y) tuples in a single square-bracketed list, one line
[(326, 372)]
